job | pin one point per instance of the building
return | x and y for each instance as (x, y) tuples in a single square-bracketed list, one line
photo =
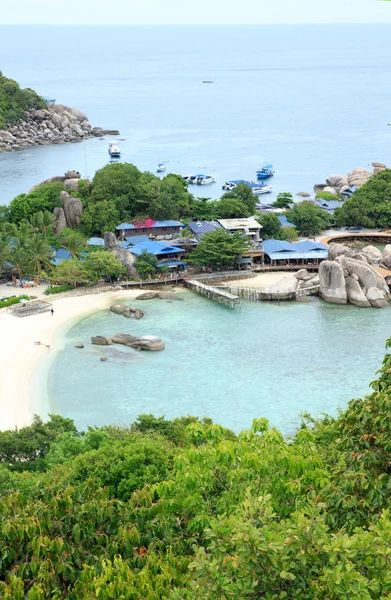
[(284, 221), (163, 252), (348, 192), (96, 241), (62, 254), (277, 252), (328, 205), (149, 228), (199, 228), (249, 226)]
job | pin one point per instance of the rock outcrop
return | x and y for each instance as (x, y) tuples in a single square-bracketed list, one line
[(386, 256), (372, 254), (345, 279), (57, 124), (339, 250), (127, 311), (145, 342), (61, 222), (336, 184), (123, 256), (73, 209)]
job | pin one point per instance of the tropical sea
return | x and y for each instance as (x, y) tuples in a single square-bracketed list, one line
[(273, 360), (313, 100)]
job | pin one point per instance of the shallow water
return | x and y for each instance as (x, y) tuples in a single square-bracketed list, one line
[(271, 360)]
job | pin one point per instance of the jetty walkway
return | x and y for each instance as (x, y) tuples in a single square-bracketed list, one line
[(259, 294), (214, 293)]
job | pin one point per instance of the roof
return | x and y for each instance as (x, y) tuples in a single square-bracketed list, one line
[(171, 263), (62, 254), (320, 254), (199, 228), (281, 249), (284, 221), (155, 225), (245, 223), (136, 239), (329, 205), (155, 248), (350, 190), (96, 241)]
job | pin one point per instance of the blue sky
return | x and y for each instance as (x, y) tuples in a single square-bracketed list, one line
[(134, 12)]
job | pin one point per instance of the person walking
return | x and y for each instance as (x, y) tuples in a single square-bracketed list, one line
[(52, 311)]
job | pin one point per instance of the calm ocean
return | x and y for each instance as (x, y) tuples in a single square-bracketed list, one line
[(313, 100)]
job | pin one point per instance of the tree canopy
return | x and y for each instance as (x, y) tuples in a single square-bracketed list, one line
[(370, 205), (308, 218), (219, 247), (14, 101)]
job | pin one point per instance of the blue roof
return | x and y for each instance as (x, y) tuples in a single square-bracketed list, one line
[(62, 254), (170, 263), (284, 221), (328, 204), (321, 254), (155, 248), (96, 241), (280, 249), (136, 239), (156, 224), (271, 246), (199, 228), (308, 246)]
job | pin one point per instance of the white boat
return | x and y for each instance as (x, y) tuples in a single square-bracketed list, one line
[(257, 188), (114, 150), (160, 168), (205, 179)]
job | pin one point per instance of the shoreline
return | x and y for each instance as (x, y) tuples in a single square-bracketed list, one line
[(24, 367)]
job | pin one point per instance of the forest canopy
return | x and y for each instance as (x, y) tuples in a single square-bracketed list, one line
[(14, 101)]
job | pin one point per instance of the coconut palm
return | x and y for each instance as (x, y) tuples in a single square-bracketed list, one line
[(20, 235), (74, 243), (5, 248), (38, 254), (43, 222)]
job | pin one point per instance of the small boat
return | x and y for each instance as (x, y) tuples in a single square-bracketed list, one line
[(205, 179), (207, 81), (160, 168), (265, 172), (114, 150), (257, 188)]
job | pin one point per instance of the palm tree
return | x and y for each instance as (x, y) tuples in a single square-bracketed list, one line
[(20, 237), (38, 253), (5, 248), (43, 222), (74, 243)]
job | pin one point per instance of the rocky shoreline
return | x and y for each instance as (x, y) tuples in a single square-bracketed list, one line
[(57, 124)]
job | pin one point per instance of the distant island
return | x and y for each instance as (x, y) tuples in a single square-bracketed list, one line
[(26, 119)]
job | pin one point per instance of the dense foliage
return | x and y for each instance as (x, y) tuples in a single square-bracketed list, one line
[(370, 205), (273, 230), (283, 200), (43, 198), (308, 218), (184, 509), (220, 248), (14, 101)]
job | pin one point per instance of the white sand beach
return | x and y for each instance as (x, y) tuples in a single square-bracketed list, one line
[(20, 357), (262, 280)]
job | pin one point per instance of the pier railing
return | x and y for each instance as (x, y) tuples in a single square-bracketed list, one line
[(217, 294), (255, 294)]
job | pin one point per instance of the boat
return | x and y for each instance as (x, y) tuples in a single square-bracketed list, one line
[(160, 168), (199, 179), (114, 150), (257, 188), (206, 81), (265, 172)]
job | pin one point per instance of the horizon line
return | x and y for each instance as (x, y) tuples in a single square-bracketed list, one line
[(192, 24)]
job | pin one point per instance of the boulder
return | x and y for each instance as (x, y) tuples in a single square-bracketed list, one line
[(118, 309), (360, 256), (61, 220), (319, 187), (79, 114), (337, 181), (147, 296), (301, 274), (138, 314), (386, 256), (39, 115), (72, 175), (373, 254), (330, 190), (359, 176), (101, 340), (103, 358), (72, 184), (332, 282), (79, 346), (64, 122), (59, 108), (169, 296), (6, 136), (339, 250), (378, 167), (73, 209), (123, 338), (355, 294), (283, 286), (366, 274), (110, 240), (56, 119), (127, 259), (303, 194), (376, 298), (148, 342), (50, 180), (308, 283)]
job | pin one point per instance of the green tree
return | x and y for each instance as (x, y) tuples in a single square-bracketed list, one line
[(220, 248), (271, 227), (72, 241), (39, 254), (145, 264), (173, 199), (326, 196), (5, 248), (369, 206), (289, 234), (43, 198), (308, 218), (43, 222), (70, 271), (243, 194), (231, 208), (119, 183), (99, 217), (99, 264), (5, 214), (14, 101), (283, 200)]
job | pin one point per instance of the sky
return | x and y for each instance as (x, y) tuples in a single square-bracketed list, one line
[(178, 12)]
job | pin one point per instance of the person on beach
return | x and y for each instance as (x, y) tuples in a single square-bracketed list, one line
[(52, 311)]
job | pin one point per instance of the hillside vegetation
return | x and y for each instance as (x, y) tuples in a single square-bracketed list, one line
[(185, 509), (370, 205), (14, 101)]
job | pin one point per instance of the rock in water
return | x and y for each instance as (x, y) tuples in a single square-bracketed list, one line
[(339, 250), (372, 253), (79, 346), (355, 294), (118, 309), (169, 296), (332, 282), (123, 338), (103, 359), (147, 296), (376, 298), (101, 340), (148, 342)]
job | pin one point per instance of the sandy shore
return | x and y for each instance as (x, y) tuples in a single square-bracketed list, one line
[(262, 280), (20, 357)]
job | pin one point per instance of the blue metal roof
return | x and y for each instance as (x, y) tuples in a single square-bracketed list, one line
[(156, 224), (270, 246), (133, 240), (284, 221), (96, 241), (199, 228), (63, 254), (319, 254), (278, 250), (155, 248), (308, 246), (171, 263)]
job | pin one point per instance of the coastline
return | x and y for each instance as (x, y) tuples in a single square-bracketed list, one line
[(24, 366)]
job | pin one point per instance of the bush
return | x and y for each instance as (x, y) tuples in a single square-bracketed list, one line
[(57, 289), (11, 301), (14, 101)]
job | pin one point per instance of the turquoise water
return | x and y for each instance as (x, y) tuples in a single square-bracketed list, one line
[(313, 100), (271, 360)]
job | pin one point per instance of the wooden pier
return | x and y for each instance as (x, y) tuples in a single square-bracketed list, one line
[(217, 294), (256, 295)]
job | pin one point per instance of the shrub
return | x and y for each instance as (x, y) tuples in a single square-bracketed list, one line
[(57, 289), (11, 301)]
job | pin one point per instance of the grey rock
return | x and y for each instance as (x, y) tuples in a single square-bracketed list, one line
[(336, 250), (103, 358), (359, 176), (138, 314), (169, 296), (332, 282), (319, 187), (72, 184), (79, 346), (72, 175), (78, 114), (355, 294), (337, 181), (360, 256), (372, 253), (124, 338), (330, 190), (301, 274), (386, 256), (147, 296), (367, 276), (73, 209), (5, 136), (39, 115), (376, 298), (303, 194), (64, 122), (61, 220), (148, 342), (127, 259), (118, 309), (110, 240), (101, 340)]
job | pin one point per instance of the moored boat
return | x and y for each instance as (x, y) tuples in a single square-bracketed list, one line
[(257, 188), (199, 179), (160, 168), (114, 150), (265, 172)]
